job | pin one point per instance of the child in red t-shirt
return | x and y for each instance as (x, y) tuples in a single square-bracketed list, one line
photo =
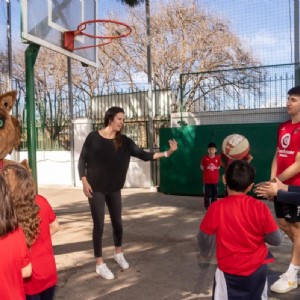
[(14, 255), (242, 225), (210, 165), (38, 221)]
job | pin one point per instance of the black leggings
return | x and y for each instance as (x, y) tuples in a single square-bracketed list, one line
[(97, 205)]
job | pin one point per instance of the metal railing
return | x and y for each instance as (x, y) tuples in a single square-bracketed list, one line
[(57, 135), (233, 89), (220, 90)]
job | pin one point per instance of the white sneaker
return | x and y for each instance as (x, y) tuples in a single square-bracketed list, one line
[(284, 284), (119, 258), (104, 272)]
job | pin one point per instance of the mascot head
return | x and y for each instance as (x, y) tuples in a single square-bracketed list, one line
[(10, 133)]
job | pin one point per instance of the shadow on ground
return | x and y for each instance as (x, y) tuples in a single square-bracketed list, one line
[(160, 245)]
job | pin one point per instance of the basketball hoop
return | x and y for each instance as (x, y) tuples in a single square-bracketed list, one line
[(69, 36)]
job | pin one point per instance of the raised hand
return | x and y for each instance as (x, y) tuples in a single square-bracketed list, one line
[(173, 145)]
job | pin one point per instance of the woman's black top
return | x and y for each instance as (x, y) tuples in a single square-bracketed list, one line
[(104, 166)]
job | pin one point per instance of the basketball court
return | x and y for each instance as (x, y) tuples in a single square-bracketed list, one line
[(160, 230), (159, 243)]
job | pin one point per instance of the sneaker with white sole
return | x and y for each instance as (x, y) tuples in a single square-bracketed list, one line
[(284, 284), (119, 258), (104, 272)]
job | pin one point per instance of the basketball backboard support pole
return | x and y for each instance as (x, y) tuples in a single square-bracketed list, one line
[(30, 58)]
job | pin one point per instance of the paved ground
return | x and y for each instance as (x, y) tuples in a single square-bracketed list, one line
[(159, 243)]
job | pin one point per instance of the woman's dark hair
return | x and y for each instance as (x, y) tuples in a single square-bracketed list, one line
[(239, 175), (109, 117), (8, 215)]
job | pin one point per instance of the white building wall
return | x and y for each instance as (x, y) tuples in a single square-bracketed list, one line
[(55, 168), (262, 115)]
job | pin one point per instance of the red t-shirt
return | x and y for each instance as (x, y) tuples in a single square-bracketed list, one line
[(226, 161), (14, 255), (288, 145), (211, 166), (240, 223), (44, 273)]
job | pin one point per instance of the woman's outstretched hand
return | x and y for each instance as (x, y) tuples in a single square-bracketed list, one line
[(173, 146)]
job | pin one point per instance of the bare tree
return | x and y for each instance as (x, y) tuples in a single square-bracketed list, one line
[(185, 40), (51, 90), (187, 43), (4, 76)]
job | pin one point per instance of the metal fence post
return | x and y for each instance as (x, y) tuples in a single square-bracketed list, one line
[(30, 58), (150, 96)]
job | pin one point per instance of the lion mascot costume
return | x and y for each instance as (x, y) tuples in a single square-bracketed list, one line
[(10, 131)]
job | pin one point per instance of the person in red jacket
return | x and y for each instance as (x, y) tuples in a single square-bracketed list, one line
[(14, 255), (210, 165), (38, 221)]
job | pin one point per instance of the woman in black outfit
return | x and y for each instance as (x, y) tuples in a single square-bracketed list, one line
[(103, 164)]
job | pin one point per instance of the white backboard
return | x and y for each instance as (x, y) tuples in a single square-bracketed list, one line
[(45, 21)]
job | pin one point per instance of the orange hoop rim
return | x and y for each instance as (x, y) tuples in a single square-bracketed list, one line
[(69, 36), (82, 26)]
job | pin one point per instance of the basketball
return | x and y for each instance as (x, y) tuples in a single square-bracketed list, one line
[(235, 146)]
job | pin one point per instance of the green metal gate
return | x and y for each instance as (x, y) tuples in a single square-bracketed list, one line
[(181, 174)]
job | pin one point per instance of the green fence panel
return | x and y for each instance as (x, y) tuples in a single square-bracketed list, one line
[(180, 174)]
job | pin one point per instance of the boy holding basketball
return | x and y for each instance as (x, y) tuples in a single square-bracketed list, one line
[(286, 167), (210, 165), (242, 225)]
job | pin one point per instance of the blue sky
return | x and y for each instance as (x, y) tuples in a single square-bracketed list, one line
[(264, 25)]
